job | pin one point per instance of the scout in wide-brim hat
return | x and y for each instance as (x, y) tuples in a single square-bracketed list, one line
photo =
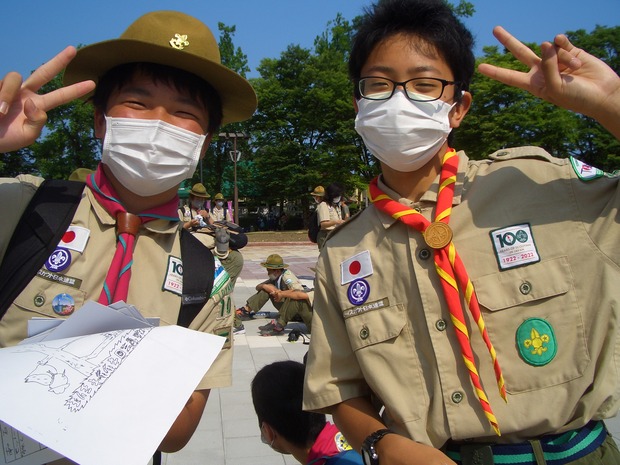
[(319, 191), (173, 39), (274, 262), (199, 190)]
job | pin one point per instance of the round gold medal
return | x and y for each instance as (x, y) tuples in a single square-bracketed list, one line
[(438, 235)]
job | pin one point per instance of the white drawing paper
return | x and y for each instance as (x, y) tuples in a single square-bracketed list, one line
[(103, 398)]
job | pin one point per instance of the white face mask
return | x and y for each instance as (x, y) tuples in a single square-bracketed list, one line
[(219, 204), (403, 134), (273, 276), (336, 200), (149, 157)]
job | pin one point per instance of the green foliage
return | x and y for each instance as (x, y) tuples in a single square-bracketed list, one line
[(303, 129)]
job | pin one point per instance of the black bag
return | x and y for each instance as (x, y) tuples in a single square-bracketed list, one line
[(313, 227)]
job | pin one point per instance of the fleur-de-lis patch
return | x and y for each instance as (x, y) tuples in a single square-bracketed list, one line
[(536, 341), (179, 41)]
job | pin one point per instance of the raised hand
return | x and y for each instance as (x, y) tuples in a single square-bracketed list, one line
[(565, 76), (23, 112)]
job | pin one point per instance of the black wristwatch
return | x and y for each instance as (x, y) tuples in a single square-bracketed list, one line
[(369, 453)]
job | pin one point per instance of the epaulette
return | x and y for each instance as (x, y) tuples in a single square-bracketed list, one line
[(525, 152)]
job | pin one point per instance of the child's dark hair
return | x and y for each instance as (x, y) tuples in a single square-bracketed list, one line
[(334, 190), (433, 21), (182, 81), (277, 393)]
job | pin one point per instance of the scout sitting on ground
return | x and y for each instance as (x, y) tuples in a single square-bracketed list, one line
[(286, 294)]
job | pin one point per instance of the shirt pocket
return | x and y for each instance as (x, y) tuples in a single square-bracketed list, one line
[(384, 347), (541, 291)]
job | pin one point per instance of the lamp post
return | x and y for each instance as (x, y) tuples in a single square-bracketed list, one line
[(235, 156)]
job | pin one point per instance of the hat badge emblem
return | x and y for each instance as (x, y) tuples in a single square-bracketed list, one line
[(179, 41)]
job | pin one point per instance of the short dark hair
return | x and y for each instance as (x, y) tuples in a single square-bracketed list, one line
[(432, 21), (181, 80), (277, 394), (335, 189)]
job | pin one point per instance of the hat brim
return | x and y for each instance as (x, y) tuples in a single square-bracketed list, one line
[(238, 97), (202, 196), (274, 267)]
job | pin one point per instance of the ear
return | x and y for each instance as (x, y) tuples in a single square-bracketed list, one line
[(206, 144), (99, 124), (460, 110), (355, 107)]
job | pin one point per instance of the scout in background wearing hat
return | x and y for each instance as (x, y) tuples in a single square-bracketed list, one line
[(194, 214), (286, 293), (470, 314), (318, 194), (219, 212), (160, 86)]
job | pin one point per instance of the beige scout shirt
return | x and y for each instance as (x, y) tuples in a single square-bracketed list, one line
[(153, 288), (326, 212), (399, 342)]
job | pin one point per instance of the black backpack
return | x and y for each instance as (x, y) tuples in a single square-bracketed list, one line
[(313, 227)]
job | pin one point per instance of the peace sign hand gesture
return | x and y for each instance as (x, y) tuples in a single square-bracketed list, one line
[(565, 76), (23, 111)]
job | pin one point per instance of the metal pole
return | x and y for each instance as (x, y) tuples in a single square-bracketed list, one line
[(236, 194)]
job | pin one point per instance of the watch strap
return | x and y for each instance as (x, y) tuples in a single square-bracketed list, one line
[(369, 453)]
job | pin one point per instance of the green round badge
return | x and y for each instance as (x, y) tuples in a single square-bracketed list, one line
[(536, 342)]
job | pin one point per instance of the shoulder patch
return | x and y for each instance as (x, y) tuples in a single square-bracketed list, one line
[(587, 172)]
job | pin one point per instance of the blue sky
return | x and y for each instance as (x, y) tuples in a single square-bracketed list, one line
[(34, 31)]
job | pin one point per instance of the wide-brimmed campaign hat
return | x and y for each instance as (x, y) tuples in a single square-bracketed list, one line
[(174, 39), (319, 191), (199, 190), (275, 262)]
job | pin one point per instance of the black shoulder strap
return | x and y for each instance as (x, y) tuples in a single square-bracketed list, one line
[(198, 277), (37, 234)]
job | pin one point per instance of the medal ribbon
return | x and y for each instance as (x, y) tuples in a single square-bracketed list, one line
[(450, 269), (116, 284)]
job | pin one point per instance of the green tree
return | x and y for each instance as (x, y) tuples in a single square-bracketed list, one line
[(304, 123)]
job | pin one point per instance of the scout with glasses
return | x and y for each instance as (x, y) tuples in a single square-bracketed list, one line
[(457, 319)]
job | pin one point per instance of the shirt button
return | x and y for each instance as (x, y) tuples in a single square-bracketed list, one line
[(417, 209), (525, 288), (441, 325), (39, 300), (424, 254), (364, 333), (457, 397)]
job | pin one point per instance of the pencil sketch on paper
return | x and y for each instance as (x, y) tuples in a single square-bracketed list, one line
[(17, 447), (81, 366)]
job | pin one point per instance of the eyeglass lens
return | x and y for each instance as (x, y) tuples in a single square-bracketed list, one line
[(418, 89)]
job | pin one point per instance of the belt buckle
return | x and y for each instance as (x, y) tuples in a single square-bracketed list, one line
[(477, 454)]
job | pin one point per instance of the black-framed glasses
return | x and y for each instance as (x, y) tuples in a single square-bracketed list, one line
[(424, 89)]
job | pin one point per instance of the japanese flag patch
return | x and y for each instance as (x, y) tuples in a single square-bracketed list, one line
[(75, 238), (357, 267)]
